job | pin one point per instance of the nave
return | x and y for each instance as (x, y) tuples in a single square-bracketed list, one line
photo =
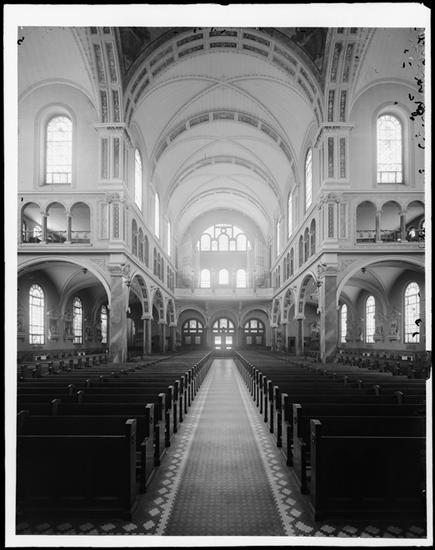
[(223, 476)]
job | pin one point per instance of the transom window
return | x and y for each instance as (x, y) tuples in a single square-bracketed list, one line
[(58, 160), (223, 325), (223, 238), (308, 178), (370, 319), (77, 320), (412, 313), (343, 323), (254, 332), (192, 332), (36, 315), (137, 179), (389, 150)]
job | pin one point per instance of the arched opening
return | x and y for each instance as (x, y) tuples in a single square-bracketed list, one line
[(80, 223), (390, 222), (31, 224), (223, 333), (56, 224), (366, 222)]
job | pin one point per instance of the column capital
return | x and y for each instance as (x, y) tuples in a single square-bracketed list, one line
[(146, 317)]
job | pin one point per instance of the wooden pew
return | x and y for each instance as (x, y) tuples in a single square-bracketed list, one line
[(303, 413), (77, 474), (367, 476)]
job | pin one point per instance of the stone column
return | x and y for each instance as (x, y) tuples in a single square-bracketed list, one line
[(285, 334), (403, 226), (44, 227), (162, 335), (273, 334), (146, 338), (378, 225), (173, 339), (328, 318), (118, 324), (68, 227), (300, 335), (148, 322)]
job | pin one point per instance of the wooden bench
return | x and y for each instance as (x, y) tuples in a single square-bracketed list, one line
[(367, 476), (77, 474), (303, 413)]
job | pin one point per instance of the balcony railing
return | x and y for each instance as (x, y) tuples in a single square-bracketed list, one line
[(386, 235), (56, 237)]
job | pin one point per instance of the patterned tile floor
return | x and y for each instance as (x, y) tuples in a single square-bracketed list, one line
[(212, 481)]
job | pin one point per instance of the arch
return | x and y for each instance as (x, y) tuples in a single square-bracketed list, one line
[(31, 223), (288, 302), (158, 303), (366, 222), (139, 287), (80, 223), (134, 237), (313, 237), (140, 244), (390, 222), (308, 283), (56, 223)]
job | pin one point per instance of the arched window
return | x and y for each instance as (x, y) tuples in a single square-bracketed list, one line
[(138, 179), (223, 278), (292, 262), (412, 313), (204, 281), (134, 237), (306, 244), (241, 278), (223, 237), (147, 251), (313, 237), (254, 332), (103, 324), (36, 315), (169, 238), (157, 215), (77, 320), (290, 215), (223, 325), (140, 245), (192, 331), (308, 179), (155, 262), (58, 151), (301, 251), (370, 319), (343, 323), (389, 149)]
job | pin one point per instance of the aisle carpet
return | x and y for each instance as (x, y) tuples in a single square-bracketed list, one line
[(223, 476)]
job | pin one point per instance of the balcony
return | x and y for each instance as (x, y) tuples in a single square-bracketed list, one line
[(227, 293)]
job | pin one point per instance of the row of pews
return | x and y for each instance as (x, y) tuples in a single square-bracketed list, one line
[(51, 363), (412, 366), (89, 439), (355, 438)]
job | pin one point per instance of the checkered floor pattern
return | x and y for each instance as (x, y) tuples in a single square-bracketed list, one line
[(222, 476)]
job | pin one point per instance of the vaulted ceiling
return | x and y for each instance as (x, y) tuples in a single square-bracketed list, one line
[(222, 116)]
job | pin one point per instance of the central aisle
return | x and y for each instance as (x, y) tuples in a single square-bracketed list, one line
[(223, 488)]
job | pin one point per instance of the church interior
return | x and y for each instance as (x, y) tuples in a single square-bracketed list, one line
[(222, 320)]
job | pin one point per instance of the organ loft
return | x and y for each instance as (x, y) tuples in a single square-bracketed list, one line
[(221, 311)]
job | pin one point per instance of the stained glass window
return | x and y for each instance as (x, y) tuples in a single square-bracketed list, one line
[(343, 323), (77, 321)]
